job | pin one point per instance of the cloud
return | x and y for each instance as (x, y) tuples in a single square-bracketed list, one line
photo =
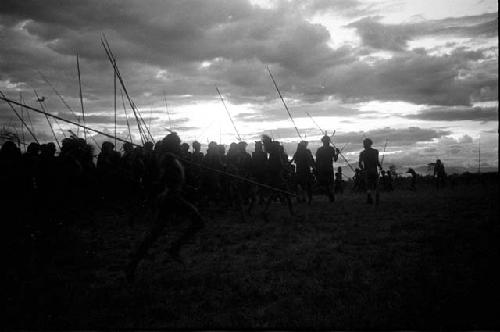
[(395, 137), (482, 114), (348, 8), (394, 37), (415, 77)]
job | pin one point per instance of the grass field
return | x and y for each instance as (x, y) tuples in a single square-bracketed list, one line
[(421, 260)]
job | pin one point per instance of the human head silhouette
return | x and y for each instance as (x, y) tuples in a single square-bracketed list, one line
[(367, 143)]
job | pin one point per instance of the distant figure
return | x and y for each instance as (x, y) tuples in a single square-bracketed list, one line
[(368, 163), (413, 183), (170, 205), (326, 155), (359, 182), (439, 174), (387, 180), (339, 183)]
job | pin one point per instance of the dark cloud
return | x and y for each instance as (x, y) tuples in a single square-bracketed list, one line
[(395, 137), (417, 78), (168, 33), (109, 119), (394, 37), (482, 114), (348, 8)]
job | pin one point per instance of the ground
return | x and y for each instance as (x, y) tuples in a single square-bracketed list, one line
[(421, 260)]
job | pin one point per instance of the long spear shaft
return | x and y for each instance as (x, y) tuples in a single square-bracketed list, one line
[(283, 100), (228, 114), (112, 59), (166, 109), (479, 155), (48, 121), (383, 156), (126, 117), (124, 89), (27, 113), (114, 88), (81, 96), (150, 116), (62, 100), (2, 96), (345, 159), (22, 118), (60, 128), (317, 125)]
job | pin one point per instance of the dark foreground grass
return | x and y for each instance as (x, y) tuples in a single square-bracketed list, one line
[(420, 260)]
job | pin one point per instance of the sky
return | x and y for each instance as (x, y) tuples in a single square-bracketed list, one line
[(420, 78)]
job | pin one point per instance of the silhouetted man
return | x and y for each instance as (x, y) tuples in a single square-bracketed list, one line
[(369, 164), (413, 183), (304, 161), (439, 174), (325, 157), (339, 183), (170, 204)]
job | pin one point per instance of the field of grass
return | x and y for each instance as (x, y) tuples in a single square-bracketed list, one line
[(420, 260)]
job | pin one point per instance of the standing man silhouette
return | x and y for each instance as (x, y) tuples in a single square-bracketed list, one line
[(326, 155), (368, 163)]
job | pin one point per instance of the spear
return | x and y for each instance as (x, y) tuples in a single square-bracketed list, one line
[(283, 100), (166, 109), (114, 88), (137, 114), (22, 118), (81, 97), (28, 113), (124, 89), (479, 155), (150, 116), (317, 125), (340, 153), (382, 161), (228, 114), (342, 149), (62, 100), (345, 159), (40, 101), (126, 116), (2, 96)]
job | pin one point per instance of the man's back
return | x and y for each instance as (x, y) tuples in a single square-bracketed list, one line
[(369, 160), (325, 156), (303, 160)]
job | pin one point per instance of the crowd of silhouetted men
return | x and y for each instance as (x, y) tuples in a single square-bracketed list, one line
[(54, 185), (163, 180)]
